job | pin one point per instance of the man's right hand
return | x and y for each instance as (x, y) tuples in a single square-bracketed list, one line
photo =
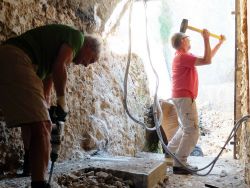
[(205, 34), (57, 114)]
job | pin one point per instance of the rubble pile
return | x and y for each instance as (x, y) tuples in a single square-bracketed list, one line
[(93, 179)]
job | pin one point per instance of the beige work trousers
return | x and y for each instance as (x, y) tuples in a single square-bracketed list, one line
[(187, 135)]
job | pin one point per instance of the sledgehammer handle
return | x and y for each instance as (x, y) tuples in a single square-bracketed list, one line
[(200, 31)]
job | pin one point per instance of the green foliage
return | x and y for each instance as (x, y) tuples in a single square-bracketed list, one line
[(152, 140), (154, 147), (165, 21)]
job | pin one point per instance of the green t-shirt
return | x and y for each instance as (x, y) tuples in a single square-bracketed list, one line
[(42, 44)]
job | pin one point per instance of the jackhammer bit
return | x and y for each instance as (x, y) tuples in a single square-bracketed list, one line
[(57, 116)]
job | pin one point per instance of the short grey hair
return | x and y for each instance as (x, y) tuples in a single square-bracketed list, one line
[(176, 39), (94, 43)]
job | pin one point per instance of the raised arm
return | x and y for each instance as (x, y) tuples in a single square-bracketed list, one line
[(206, 59), (218, 45)]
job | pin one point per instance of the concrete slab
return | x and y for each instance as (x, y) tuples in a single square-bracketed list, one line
[(155, 156), (144, 172)]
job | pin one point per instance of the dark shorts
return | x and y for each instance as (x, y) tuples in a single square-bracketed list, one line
[(21, 90)]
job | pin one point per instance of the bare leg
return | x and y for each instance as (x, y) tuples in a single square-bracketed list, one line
[(36, 137)]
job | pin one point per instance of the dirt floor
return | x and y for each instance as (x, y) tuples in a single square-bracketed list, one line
[(227, 173)]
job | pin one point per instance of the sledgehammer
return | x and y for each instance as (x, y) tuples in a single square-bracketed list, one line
[(185, 26)]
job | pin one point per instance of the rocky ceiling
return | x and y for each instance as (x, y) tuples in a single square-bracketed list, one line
[(92, 16)]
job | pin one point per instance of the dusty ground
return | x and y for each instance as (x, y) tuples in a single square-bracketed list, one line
[(215, 129), (227, 173)]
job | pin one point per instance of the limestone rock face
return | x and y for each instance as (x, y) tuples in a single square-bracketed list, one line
[(10, 148), (97, 119)]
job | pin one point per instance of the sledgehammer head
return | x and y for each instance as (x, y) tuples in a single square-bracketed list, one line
[(184, 25)]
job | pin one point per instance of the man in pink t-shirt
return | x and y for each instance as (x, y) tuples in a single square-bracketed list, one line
[(184, 93)]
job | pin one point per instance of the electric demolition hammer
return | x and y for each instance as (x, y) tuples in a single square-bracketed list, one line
[(57, 116)]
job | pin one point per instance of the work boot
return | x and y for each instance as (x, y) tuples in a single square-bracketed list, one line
[(167, 155), (40, 184), (183, 171)]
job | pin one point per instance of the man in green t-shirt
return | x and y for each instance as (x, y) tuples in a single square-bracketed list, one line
[(30, 64)]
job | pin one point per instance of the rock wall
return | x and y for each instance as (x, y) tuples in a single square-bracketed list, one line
[(97, 118), (242, 86)]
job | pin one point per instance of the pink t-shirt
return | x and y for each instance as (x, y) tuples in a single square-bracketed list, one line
[(184, 76)]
